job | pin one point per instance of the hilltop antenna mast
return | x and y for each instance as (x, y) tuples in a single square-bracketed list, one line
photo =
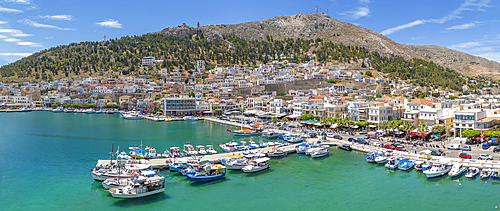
[(316, 9), (104, 38), (327, 11)]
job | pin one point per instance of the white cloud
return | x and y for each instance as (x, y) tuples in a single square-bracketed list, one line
[(16, 54), (110, 23), (40, 25), (57, 17), (404, 26), (15, 32), (466, 45), (2, 36), (358, 13), (494, 56), (32, 44), (365, 1), (417, 38), (9, 10), (3, 22), (12, 40), (468, 5), (19, 1), (484, 49), (464, 26)]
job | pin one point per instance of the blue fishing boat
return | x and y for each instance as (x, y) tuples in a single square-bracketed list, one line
[(207, 173), (406, 164), (372, 156)]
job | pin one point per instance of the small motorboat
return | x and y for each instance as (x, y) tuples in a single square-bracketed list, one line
[(372, 156), (406, 164), (323, 151), (301, 148), (211, 150), (437, 170), (494, 174), (208, 172), (472, 172), (456, 170), (276, 153), (258, 164), (140, 187), (201, 150), (485, 173), (345, 147)]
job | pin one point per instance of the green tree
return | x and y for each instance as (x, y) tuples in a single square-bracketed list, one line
[(369, 73), (406, 127), (470, 133), (423, 129), (306, 117), (284, 120), (275, 119)]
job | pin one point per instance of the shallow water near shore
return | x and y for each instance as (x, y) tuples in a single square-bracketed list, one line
[(45, 162)]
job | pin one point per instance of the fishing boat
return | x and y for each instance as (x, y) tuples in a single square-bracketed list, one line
[(58, 110), (258, 164), (276, 153), (372, 156), (189, 150), (472, 172), (381, 159), (176, 152), (208, 172), (485, 173), (345, 147), (253, 145), (211, 150), (201, 150), (190, 118), (151, 153), (271, 134), (122, 182), (236, 164), (437, 170), (406, 164), (137, 153), (301, 148), (323, 151), (124, 156), (418, 165), (494, 174), (245, 132), (140, 187), (392, 163), (456, 170)]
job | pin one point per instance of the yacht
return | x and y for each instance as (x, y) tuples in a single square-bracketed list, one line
[(190, 118), (140, 187), (245, 132), (437, 170), (323, 151), (58, 110), (456, 170), (485, 173), (392, 163), (131, 115), (472, 172), (406, 164), (208, 172), (258, 164)]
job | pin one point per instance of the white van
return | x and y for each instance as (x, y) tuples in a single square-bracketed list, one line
[(454, 146)]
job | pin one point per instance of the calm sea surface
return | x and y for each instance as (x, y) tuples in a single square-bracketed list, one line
[(45, 162)]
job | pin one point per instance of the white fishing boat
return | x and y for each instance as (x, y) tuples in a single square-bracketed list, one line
[(381, 159), (258, 164), (140, 187), (124, 156), (472, 172), (457, 169), (131, 115), (485, 173), (271, 134), (115, 183), (437, 170), (276, 153), (323, 151), (392, 163), (301, 148), (236, 164), (189, 150), (229, 147), (406, 164), (201, 150), (208, 172), (211, 150), (58, 110)]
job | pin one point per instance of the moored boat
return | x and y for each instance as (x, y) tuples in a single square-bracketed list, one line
[(485, 173), (345, 147), (208, 172), (472, 172), (456, 170), (392, 163), (406, 164), (437, 170), (494, 174), (138, 188), (258, 164), (323, 151)]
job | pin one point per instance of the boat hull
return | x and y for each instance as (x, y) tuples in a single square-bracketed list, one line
[(256, 169), (204, 178), (139, 195), (318, 155)]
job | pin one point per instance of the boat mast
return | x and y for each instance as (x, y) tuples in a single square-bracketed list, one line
[(112, 154)]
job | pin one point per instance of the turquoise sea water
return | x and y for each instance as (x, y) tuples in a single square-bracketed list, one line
[(45, 162)]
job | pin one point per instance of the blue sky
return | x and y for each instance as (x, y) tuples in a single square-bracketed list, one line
[(29, 26)]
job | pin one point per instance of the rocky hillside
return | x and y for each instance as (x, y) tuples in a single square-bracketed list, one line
[(312, 26)]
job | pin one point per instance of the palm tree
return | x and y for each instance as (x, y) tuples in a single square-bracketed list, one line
[(407, 127), (423, 129), (285, 120), (384, 126), (348, 121)]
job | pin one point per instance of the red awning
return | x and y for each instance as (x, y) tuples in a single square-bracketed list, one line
[(477, 137), (145, 111)]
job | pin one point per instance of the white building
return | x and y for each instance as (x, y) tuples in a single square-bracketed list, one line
[(148, 61)]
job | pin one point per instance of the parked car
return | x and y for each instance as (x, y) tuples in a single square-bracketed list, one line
[(465, 155), (367, 137), (435, 152), (377, 144), (351, 140), (389, 146), (363, 132), (484, 157), (465, 148), (486, 145), (496, 149), (330, 135), (454, 146), (337, 137), (361, 141), (400, 148)]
